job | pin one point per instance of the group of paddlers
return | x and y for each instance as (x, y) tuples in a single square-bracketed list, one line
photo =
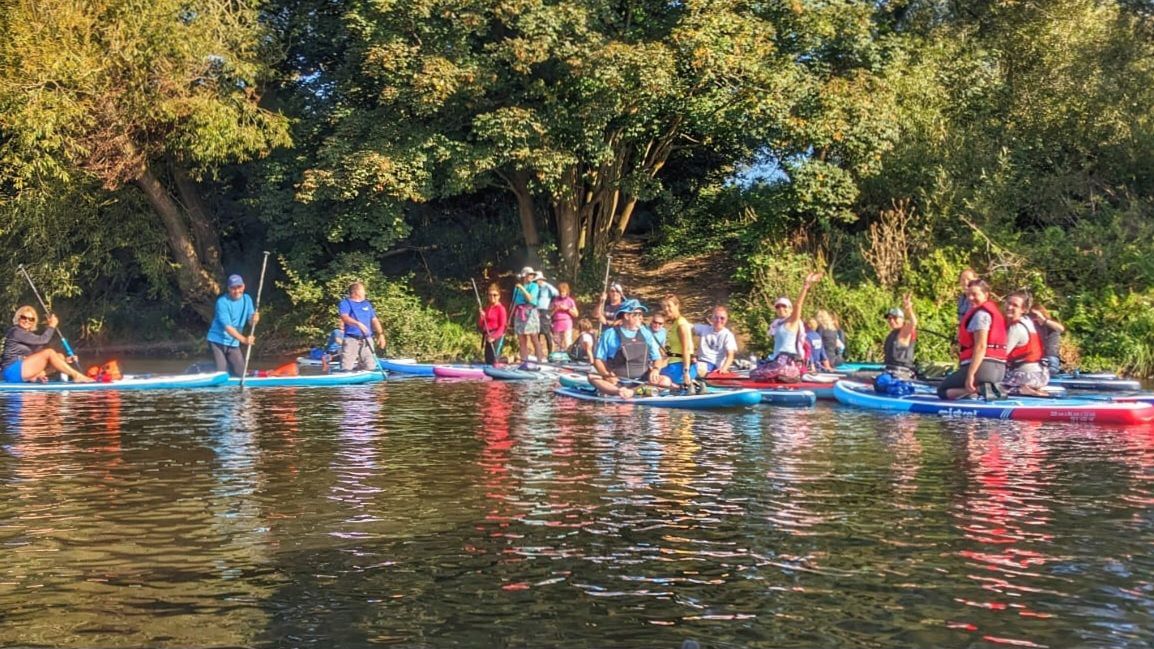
[(1013, 349)]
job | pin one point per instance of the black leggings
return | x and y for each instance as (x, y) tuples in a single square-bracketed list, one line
[(227, 359), (988, 372)]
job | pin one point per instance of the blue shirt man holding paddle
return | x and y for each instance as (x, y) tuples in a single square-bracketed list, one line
[(361, 322), (234, 311)]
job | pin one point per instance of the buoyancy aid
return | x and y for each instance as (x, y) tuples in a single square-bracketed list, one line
[(1031, 352), (995, 340), (632, 357)]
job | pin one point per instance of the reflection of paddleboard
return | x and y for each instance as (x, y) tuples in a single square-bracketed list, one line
[(310, 380)]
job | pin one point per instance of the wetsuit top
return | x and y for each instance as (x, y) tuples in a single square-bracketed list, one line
[(898, 355), (19, 342)]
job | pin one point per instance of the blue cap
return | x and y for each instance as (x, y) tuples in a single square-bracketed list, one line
[(235, 280), (629, 306)]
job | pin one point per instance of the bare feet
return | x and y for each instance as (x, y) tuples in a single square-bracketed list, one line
[(625, 393)]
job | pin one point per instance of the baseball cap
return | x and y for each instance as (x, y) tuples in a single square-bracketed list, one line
[(235, 280), (783, 301), (629, 306), (895, 313)]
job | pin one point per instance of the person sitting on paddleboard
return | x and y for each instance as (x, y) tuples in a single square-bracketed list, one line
[(626, 352), (679, 344), (27, 357), (717, 344), (788, 334), (964, 278), (492, 322), (582, 350), (982, 346), (818, 356), (1025, 373), (233, 312), (526, 321), (1051, 332), (610, 303), (901, 340), (660, 333), (832, 337), (361, 324)]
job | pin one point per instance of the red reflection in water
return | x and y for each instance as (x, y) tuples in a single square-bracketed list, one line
[(1004, 513)]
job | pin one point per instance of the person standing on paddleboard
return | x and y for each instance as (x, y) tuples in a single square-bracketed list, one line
[(27, 357), (233, 312), (492, 322), (361, 325)]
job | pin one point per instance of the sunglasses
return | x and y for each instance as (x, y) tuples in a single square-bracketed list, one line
[(657, 323), (28, 318)]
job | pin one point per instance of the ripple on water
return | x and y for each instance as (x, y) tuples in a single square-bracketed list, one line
[(429, 513)]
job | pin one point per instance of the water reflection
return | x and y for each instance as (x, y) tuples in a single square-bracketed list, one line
[(489, 513)]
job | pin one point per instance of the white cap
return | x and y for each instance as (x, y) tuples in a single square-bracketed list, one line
[(783, 301), (528, 270), (539, 276)]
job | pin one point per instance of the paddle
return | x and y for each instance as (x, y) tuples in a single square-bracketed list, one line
[(477, 294), (608, 265), (63, 340), (373, 351), (256, 309)]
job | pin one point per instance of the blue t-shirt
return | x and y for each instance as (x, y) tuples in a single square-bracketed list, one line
[(609, 343), (519, 299), (817, 353), (229, 313), (363, 312), (545, 294), (661, 335)]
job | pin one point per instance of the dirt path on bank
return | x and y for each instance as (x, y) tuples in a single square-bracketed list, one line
[(700, 281)]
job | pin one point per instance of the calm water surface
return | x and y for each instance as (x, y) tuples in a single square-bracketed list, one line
[(468, 514)]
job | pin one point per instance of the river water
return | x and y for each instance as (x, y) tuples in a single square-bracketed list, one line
[(469, 514)]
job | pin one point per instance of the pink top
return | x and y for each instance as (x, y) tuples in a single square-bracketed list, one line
[(562, 321)]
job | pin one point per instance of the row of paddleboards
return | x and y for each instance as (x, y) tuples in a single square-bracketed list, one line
[(201, 380)]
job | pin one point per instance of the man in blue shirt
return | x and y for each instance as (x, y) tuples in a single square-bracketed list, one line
[(627, 351), (234, 310), (360, 320)]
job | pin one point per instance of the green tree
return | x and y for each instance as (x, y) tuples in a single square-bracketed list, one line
[(149, 95), (575, 107)]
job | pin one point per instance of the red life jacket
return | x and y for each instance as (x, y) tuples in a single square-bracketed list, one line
[(1031, 352), (995, 341)]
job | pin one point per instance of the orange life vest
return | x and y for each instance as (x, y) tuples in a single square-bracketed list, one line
[(1031, 352)]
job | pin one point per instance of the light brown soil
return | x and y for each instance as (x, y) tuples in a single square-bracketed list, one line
[(699, 282)]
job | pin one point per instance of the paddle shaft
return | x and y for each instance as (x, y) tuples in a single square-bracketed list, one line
[(63, 340), (608, 265), (256, 309), (485, 333)]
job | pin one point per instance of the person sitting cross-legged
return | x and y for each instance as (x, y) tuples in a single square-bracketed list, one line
[(627, 355)]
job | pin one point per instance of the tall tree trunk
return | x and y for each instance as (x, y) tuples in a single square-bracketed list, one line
[(197, 287), (519, 182), (566, 209), (204, 233)]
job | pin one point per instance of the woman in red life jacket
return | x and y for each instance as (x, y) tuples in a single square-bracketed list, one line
[(982, 342), (1025, 373)]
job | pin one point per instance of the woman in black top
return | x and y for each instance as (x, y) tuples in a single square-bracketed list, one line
[(27, 357)]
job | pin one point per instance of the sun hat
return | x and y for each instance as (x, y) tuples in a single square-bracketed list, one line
[(538, 276), (895, 313), (629, 306), (235, 281), (783, 301), (528, 270)]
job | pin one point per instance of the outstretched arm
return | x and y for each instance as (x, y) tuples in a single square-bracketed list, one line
[(810, 280)]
